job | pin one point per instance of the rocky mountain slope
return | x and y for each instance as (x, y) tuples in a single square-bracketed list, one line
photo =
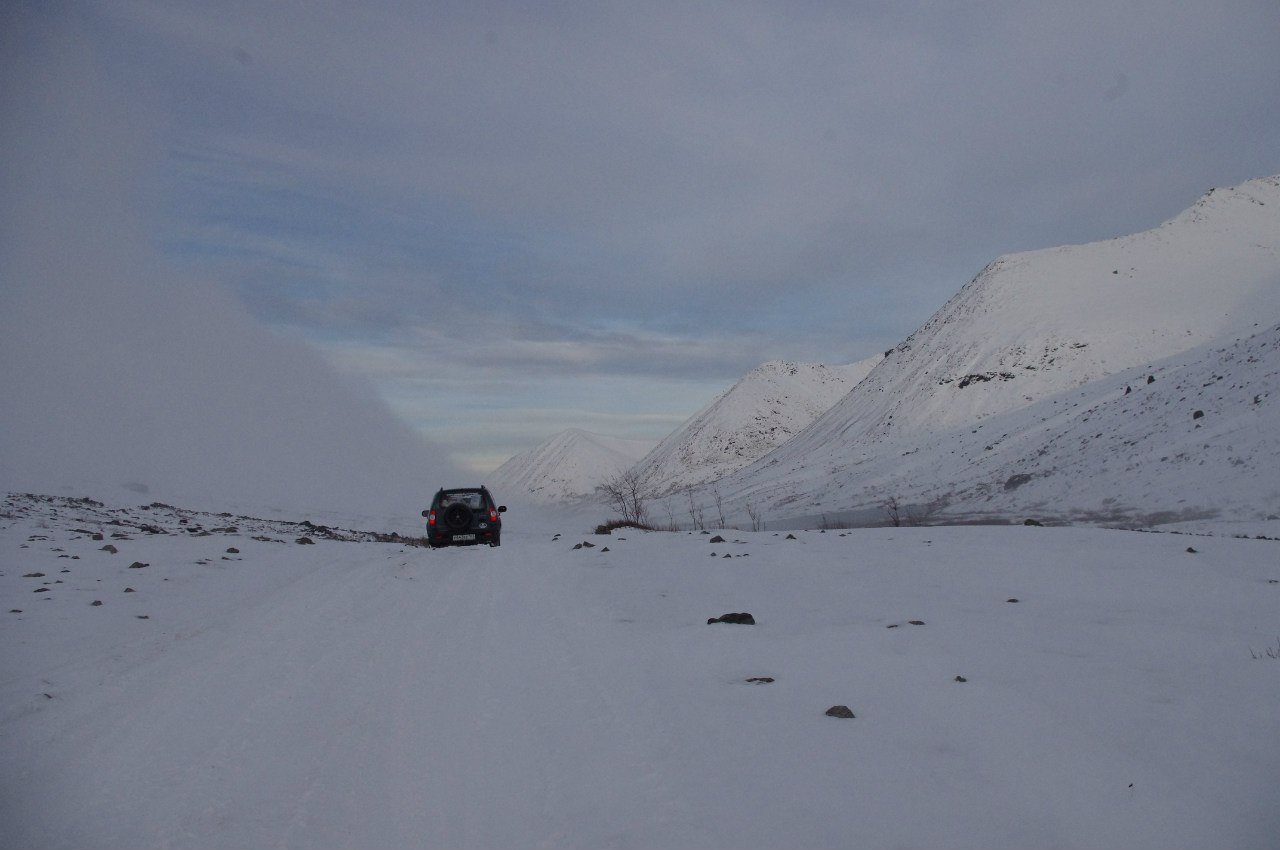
[(764, 409), (567, 466)]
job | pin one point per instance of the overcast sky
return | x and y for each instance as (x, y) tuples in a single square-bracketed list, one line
[(513, 218)]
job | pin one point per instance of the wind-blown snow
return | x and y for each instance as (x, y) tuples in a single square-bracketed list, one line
[(375, 695), (567, 466), (123, 380)]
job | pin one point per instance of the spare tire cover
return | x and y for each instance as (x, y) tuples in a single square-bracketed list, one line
[(457, 516)]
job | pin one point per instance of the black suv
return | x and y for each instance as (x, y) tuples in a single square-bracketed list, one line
[(464, 516)]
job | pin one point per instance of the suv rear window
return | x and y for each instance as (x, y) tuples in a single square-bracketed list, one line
[(472, 500)]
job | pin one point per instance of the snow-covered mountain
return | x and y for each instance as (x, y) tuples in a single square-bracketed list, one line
[(764, 409), (1030, 330), (1194, 437), (567, 466)]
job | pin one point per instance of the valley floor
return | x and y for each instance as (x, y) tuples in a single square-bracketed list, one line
[(1118, 690)]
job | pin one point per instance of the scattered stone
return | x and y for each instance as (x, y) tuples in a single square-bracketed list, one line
[(1151, 379), (41, 590), (892, 626), (840, 711), (587, 544), (233, 551), (96, 603), (761, 680), (130, 590), (1191, 550), (1012, 599), (1033, 522), (15, 610), (577, 546), (138, 565), (961, 679), (716, 539), (33, 575), (1199, 414), (605, 549), (110, 549), (305, 541), (791, 537), (98, 536), (1013, 482), (915, 622), (743, 619), (143, 617)]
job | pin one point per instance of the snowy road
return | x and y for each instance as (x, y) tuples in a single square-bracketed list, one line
[(373, 695)]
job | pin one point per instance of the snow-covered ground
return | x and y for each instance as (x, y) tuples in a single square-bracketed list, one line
[(373, 694)]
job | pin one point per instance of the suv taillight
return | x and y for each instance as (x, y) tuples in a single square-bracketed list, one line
[(493, 514), (431, 519)]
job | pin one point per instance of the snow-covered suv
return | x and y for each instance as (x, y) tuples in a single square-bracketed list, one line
[(464, 516)]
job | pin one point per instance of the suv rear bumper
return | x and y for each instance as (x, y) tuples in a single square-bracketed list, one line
[(463, 538)]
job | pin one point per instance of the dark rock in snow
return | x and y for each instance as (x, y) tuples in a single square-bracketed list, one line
[(761, 680), (1190, 550), (915, 622), (1013, 482), (305, 541), (33, 575), (840, 711), (231, 550), (791, 537), (96, 603), (716, 539), (130, 590), (110, 549), (138, 565), (740, 618), (1199, 414), (1011, 599), (961, 679), (1033, 522)]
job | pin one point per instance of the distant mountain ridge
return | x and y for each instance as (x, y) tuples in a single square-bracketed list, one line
[(764, 409), (566, 466)]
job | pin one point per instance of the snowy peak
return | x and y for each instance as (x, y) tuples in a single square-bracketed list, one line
[(1034, 324), (567, 466), (764, 409), (1035, 375)]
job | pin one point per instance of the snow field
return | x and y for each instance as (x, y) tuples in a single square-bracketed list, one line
[(375, 695)]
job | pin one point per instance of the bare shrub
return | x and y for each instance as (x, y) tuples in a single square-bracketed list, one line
[(628, 493)]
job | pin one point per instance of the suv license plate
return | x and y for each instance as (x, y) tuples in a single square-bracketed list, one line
[(464, 537)]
